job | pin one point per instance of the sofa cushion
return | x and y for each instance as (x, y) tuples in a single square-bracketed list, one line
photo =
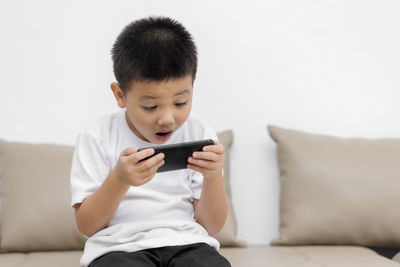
[(41, 259), (338, 191), (12, 259), (227, 236), (305, 256), (36, 214)]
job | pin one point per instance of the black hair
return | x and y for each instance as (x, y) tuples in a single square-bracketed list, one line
[(153, 49)]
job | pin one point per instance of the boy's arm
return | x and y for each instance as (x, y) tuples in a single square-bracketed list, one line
[(211, 209), (94, 213)]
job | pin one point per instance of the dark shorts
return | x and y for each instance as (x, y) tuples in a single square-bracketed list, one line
[(193, 255)]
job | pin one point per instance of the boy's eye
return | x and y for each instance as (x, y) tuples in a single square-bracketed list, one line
[(150, 108), (180, 104)]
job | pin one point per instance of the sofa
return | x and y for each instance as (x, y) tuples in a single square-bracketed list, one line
[(337, 204)]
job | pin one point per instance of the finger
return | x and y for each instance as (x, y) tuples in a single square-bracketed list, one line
[(128, 151), (138, 156), (207, 164), (148, 179), (150, 162), (219, 149), (161, 163), (152, 170), (206, 155), (195, 168)]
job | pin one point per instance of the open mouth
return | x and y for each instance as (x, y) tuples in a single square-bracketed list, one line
[(163, 136), (163, 133)]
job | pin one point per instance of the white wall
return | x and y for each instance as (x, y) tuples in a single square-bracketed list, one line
[(327, 67)]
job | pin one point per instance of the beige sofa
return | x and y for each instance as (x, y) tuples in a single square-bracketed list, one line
[(38, 227)]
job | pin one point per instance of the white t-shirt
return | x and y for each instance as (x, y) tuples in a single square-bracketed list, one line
[(156, 214)]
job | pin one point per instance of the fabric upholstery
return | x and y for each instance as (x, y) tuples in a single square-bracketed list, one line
[(336, 190), (305, 256), (227, 236), (302, 256), (36, 214)]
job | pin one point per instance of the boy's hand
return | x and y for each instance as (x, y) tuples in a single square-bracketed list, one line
[(209, 162), (132, 172)]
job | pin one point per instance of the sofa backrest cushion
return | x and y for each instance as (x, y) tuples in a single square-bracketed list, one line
[(227, 236), (338, 191), (35, 211)]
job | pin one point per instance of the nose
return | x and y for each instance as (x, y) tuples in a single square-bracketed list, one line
[(166, 118)]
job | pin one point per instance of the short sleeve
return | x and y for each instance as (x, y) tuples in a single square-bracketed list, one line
[(89, 167), (197, 177)]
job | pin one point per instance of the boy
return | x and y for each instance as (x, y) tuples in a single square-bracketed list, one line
[(132, 215)]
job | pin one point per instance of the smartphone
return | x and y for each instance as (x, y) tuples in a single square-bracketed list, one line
[(176, 155)]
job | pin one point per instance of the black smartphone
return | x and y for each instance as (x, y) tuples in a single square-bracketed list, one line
[(176, 155)]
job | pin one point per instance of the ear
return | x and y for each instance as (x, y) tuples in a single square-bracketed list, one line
[(118, 94)]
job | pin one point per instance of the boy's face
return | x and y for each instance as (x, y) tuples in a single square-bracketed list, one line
[(155, 110)]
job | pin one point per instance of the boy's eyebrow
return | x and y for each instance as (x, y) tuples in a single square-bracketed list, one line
[(146, 97), (183, 92)]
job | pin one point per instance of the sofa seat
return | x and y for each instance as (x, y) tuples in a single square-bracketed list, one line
[(306, 256), (41, 259), (276, 256)]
